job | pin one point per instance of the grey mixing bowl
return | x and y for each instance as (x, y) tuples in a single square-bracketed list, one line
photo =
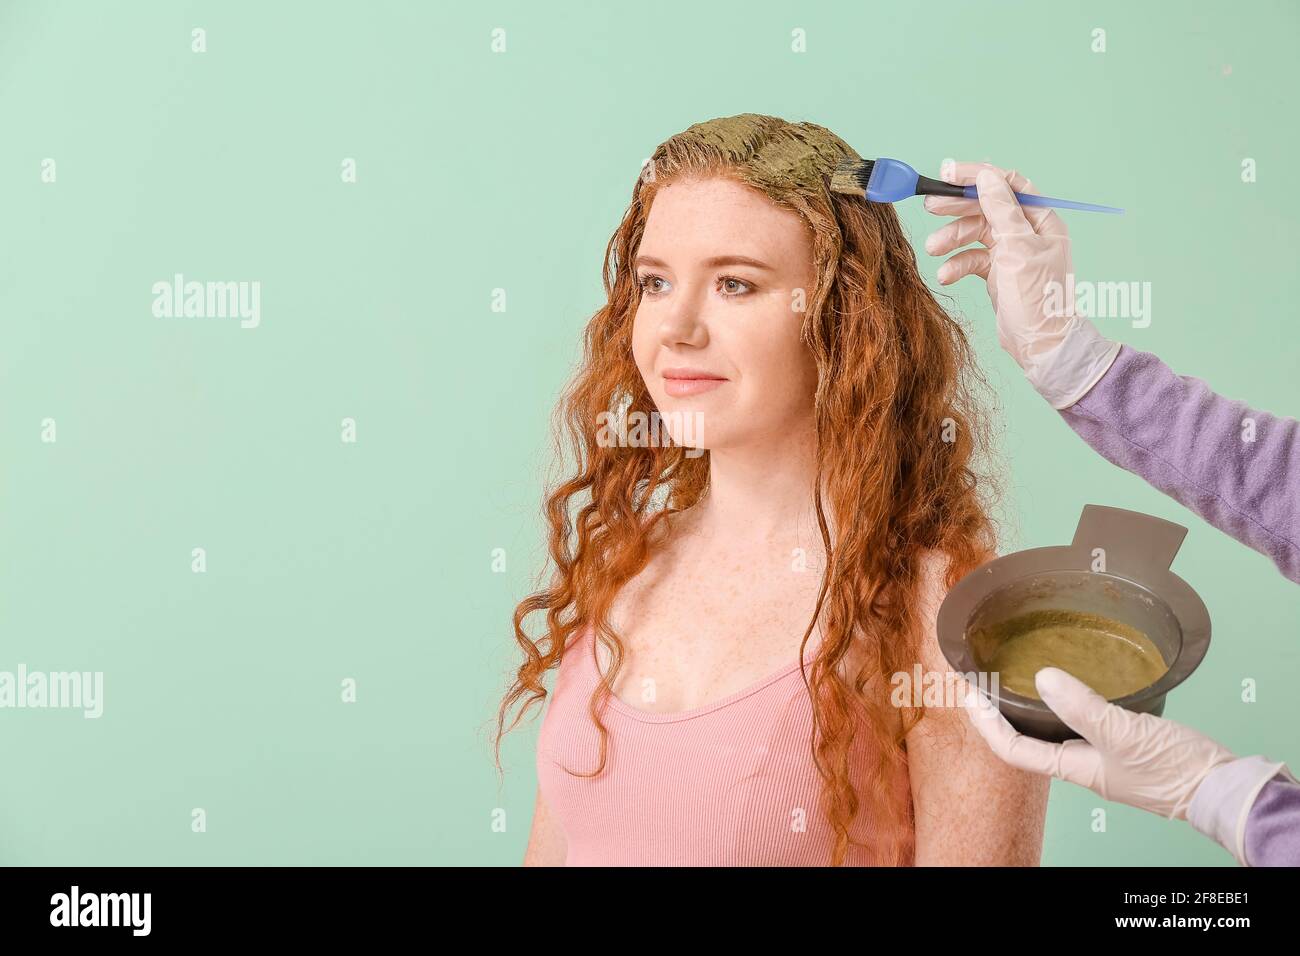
[(1117, 566)]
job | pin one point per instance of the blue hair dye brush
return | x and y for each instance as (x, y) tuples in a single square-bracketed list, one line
[(890, 180)]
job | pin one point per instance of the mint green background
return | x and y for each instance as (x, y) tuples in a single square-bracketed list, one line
[(478, 171)]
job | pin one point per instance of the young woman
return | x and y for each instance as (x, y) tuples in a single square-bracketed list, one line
[(740, 587)]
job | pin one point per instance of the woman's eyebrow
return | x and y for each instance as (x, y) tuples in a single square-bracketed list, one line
[(713, 262)]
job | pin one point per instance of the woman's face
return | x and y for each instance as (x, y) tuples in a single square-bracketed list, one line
[(725, 274)]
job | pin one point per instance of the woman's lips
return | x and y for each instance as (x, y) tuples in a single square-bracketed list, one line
[(682, 387)]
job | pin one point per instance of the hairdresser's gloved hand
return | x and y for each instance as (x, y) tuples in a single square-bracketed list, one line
[(1138, 759), (1026, 261)]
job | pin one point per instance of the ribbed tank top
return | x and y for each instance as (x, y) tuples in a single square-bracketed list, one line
[(731, 783)]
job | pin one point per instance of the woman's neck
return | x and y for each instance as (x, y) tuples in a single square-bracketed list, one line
[(762, 493)]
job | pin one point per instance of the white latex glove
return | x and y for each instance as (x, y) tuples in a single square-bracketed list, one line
[(1027, 247), (1138, 759)]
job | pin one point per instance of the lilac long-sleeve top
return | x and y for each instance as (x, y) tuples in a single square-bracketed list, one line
[(1239, 469)]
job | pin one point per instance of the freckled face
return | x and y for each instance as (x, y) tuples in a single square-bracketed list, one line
[(725, 274)]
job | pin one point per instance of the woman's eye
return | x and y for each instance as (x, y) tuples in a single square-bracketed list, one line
[(729, 285), (647, 285)]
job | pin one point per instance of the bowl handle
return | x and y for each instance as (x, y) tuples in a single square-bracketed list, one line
[(1132, 541)]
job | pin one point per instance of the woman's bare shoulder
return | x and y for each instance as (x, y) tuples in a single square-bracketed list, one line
[(664, 543)]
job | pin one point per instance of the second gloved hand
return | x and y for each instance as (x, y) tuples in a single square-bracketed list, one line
[(1138, 759), (1027, 266)]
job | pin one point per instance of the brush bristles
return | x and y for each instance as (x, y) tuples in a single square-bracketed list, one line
[(851, 176)]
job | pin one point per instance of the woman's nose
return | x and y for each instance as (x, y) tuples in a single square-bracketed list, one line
[(684, 323)]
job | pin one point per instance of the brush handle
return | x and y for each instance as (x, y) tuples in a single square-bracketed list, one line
[(1029, 199)]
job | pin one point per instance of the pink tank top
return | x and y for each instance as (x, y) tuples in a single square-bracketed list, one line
[(731, 783)]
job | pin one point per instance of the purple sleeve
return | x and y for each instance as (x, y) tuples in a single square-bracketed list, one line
[(1273, 826), (1236, 467)]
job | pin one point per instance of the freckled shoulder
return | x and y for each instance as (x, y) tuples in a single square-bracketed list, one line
[(636, 597), (932, 584)]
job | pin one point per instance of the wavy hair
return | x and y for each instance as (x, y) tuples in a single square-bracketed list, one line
[(899, 436)]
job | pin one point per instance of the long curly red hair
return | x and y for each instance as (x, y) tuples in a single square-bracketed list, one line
[(899, 437)]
